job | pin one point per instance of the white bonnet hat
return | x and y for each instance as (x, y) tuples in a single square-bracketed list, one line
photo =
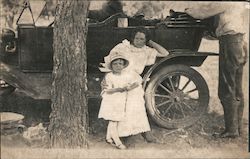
[(111, 57), (115, 55)]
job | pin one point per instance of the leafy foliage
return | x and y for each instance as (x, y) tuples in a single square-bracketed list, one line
[(11, 9)]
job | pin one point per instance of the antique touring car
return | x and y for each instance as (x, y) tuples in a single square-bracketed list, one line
[(176, 95)]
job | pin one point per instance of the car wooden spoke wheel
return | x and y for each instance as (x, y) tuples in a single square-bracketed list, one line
[(176, 96)]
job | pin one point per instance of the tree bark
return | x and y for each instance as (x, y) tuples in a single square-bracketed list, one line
[(69, 117)]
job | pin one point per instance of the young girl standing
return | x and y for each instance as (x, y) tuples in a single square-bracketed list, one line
[(123, 103)]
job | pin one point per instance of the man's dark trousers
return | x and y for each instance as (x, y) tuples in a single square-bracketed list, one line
[(231, 61)]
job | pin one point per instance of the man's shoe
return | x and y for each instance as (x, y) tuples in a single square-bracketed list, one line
[(227, 135)]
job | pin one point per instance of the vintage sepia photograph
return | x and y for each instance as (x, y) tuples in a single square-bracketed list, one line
[(124, 79)]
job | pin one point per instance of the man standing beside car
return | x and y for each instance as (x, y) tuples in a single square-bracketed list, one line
[(232, 57)]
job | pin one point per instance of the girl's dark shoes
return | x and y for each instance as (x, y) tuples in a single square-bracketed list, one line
[(111, 142), (149, 137)]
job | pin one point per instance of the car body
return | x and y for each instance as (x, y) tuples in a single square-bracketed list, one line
[(27, 57)]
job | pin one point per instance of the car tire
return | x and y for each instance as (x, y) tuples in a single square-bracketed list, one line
[(171, 105)]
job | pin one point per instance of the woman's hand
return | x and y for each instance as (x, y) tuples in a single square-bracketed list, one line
[(150, 43)]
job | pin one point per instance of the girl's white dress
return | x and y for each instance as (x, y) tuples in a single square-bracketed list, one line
[(128, 108)]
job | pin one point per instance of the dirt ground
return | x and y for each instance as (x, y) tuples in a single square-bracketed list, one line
[(192, 142)]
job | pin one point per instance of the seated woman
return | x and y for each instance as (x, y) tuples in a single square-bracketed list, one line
[(140, 55)]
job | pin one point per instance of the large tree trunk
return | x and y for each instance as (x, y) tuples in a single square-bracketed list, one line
[(69, 117)]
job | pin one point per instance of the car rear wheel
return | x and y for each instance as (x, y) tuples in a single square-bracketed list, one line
[(5, 88), (176, 96)]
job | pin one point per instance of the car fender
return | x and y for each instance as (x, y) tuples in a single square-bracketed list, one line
[(189, 58)]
